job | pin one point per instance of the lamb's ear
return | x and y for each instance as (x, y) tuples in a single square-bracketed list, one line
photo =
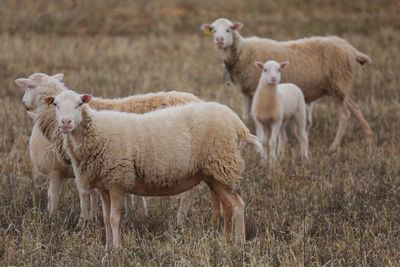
[(48, 100), (23, 82), (206, 28), (86, 98), (284, 64), (237, 26), (58, 76), (259, 65), (31, 115)]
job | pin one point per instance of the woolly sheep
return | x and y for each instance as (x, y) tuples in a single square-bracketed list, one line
[(164, 152), (50, 159), (274, 105), (318, 65)]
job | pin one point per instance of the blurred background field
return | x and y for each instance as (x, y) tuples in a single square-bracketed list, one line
[(340, 210)]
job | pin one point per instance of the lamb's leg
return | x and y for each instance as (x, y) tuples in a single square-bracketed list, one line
[(84, 200), (355, 109), (309, 109), (141, 206), (94, 208), (106, 206), (117, 205), (282, 140), (344, 115), (184, 204), (217, 213), (275, 129), (247, 99), (56, 182), (260, 132)]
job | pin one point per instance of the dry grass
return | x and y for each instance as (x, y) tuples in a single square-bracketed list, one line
[(340, 210)]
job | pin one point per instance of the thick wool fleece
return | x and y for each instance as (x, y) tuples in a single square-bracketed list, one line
[(318, 65), (137, 104), (161, 148)]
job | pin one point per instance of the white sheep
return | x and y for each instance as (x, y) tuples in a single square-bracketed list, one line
[(320, 66), (50, 159), (274, 105), (160, 153)]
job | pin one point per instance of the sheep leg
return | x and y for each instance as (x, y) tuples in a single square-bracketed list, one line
[(94, 208), (106, 206), (344, 115), (56, 182), (260, 132), (117, 205), (141, 206), (217, 213), (355, 109), (273, 141), (309, 109), (84, 200), (282, 140), (184, 203), (128, 199), (247, 99)]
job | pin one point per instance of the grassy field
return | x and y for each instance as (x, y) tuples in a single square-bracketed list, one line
[(340, 210)]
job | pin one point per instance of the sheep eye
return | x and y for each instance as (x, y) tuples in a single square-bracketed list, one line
[(54, 104), (228, 30), (80, 104), (31, 86), (265, 70)]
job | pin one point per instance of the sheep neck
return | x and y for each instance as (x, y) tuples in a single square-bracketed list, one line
[(266, 102), (230, 55)]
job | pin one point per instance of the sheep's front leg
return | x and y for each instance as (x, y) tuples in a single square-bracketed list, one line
[(106, 206), (117, 205), (56, 182), (94, 209), (184, 204), (282, 141), (309, 119), (273, 141), (344, 115), (84, 200)]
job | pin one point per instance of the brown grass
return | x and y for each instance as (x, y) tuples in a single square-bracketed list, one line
[(340, 210)]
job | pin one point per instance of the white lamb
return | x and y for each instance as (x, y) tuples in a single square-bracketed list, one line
[(274, 105), (164, 152), (320, 66)]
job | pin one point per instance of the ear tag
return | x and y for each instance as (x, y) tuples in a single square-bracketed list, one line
[(207, 32)]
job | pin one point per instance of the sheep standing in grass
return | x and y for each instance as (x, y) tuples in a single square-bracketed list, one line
[(47, 153), (320, 66), (274, 104), (160, 153)]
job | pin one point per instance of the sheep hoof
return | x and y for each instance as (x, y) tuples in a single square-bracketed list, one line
[(82, 224), (333, 148)]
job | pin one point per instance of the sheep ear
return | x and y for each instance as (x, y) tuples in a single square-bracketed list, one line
[(284, 64), (259, 65), (86, 98), (237, 26), (31, 115), (48, 100), (206, 28), (58, 76), (23, 82)]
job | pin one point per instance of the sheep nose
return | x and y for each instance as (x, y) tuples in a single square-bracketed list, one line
[(66, 121), (273, 79), (219, 39)]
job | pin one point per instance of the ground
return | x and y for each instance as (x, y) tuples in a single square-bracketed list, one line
[(342, 209)]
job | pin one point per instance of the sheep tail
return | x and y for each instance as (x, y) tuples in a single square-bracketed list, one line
[(362, 58), (252, 139)]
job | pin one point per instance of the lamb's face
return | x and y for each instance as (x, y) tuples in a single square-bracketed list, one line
[(222, 31), (271, 71), (36, 87), (68, 109)]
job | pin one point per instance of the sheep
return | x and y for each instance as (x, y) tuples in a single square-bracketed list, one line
[(50, 159), (320, 66), (160, 153), (274, 104)]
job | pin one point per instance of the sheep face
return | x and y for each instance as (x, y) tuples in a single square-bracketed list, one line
[(36, 86), (271, 71), (222, 31), (68, 109)]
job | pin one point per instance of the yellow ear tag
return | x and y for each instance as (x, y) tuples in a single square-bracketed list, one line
[(207, 32)]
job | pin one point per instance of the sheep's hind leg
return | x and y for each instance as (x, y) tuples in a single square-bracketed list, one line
[(117, 205), (309, 118), (355, 109), (344, 115), (84, 200), (106, 206), (94, 208), (282, 140)]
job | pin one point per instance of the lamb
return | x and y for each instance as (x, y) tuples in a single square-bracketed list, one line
[(164, 152), (274, 104), (47, 153), (320, 66)]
